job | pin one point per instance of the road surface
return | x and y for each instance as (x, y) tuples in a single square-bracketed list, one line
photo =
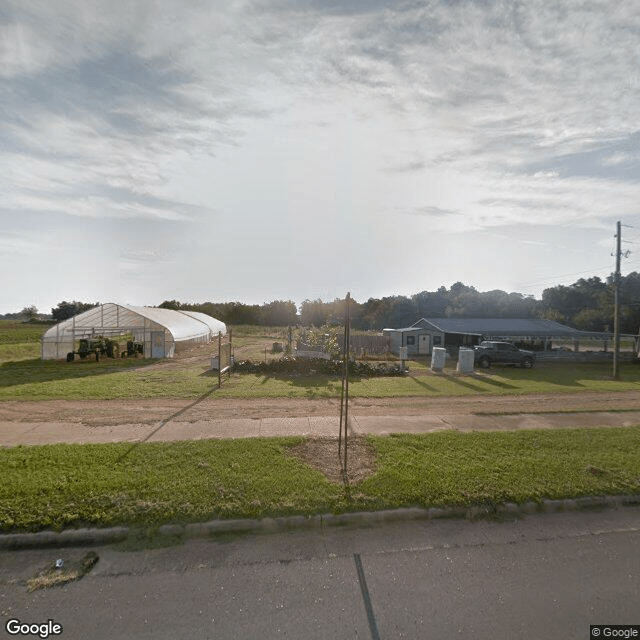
[(544, 576)]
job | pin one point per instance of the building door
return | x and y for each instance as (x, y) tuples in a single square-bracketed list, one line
[(423, 344), (157, 344)]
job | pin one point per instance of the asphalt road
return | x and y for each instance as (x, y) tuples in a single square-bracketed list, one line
[(543, 576)]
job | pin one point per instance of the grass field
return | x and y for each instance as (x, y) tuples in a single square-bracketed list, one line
[(20, 340), (113, 379), (24, 376), (149, 484)]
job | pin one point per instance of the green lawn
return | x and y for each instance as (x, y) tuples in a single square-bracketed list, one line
[(24, 376), (478, 467), (130, 378), (57, 486)]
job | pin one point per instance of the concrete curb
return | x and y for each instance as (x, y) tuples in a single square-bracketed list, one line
[(113, 535)]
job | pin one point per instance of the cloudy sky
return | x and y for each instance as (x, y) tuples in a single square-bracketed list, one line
[(255, 150)]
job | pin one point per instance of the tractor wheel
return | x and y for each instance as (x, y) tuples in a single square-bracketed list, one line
[(70, 356), (484, 362)]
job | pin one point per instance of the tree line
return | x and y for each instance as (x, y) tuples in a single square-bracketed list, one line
[(587, 304)]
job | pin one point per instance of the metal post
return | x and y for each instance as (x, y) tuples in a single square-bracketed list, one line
[(346, 377), (341, 407), (616, 306), (345, 372), (219, 359)]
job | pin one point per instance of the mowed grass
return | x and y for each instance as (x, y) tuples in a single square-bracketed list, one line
[(149, 484), (105, 380), (456, 468), (131, 378), (23, 375), (57, 486)]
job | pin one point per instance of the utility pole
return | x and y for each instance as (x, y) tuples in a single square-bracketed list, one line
[(616, 305)]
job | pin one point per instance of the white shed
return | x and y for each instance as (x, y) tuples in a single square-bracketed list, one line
[(160, 330)]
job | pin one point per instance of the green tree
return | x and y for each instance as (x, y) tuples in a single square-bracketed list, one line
[(170, 304), (314, 313), (66, 310), (279, 313), (30, 313)]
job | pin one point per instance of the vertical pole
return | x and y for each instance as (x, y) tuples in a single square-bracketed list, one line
[(219, 359), (230, 351), (341, 406), (346, 377), (616, 306)]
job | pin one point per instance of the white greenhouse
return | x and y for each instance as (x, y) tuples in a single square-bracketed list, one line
[(158, 331)]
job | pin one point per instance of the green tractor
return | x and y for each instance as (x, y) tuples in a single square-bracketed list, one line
[(99, 346), (134, 349)]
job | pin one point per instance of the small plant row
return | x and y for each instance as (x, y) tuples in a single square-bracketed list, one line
[(311, 366)]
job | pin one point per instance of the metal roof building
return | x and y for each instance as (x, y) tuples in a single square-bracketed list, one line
[(423, 335), (160, 330)]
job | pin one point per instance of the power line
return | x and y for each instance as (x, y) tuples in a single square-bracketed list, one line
[(562, 275)]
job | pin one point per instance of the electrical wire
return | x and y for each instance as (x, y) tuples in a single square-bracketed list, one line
[(562, 275)]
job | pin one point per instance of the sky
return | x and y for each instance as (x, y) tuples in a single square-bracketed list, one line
[(257, 150)]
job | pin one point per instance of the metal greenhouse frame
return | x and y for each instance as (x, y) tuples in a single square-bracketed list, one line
[(159, 330)]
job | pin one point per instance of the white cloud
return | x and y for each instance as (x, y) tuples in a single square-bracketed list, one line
[(15, 244), (618, 159), (19, 51), (263, 118)]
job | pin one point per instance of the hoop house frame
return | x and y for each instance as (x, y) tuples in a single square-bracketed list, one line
[(159, 330)]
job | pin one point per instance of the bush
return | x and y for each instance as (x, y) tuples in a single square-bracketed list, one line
[(312, 366)]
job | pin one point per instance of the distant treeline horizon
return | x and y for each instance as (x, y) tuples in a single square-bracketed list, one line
[(587, 304)]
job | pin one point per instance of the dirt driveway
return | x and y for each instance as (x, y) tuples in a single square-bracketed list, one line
[(149, 411), (133, 418)]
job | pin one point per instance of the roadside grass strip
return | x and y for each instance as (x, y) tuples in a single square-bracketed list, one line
[(150, 484), (58, 486), (453, 468)]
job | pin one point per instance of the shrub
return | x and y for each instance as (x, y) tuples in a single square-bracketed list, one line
[(312, 366)]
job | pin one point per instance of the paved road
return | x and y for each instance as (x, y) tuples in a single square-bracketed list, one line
[(545, 576)]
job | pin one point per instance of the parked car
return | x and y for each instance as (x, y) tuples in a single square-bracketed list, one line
[(489, 352)]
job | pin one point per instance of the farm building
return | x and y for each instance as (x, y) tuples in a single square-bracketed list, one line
[(158, 331), (453, 333)]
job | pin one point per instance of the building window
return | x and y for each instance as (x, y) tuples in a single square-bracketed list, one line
[(411, 340)]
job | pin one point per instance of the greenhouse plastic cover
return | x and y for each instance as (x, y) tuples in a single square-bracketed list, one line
[(111, 319), (183, 325)]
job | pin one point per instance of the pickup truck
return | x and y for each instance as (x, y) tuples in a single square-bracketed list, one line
[(489, 352)]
